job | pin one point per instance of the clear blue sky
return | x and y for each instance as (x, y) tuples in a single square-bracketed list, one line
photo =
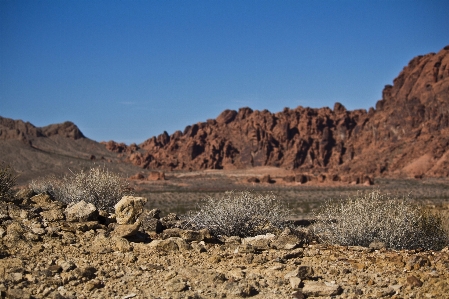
[(129, 70)]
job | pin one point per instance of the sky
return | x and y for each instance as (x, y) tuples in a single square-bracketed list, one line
[(130, 70)]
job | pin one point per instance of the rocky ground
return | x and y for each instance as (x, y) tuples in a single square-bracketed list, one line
[(48, 250)]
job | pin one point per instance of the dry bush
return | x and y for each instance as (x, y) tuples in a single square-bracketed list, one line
[(47, 184), (7, 181), (373, 216), (98, 186), (241, 214)]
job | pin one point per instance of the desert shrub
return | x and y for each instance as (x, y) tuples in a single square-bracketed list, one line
[(241, 214), (7, 181), (98, 186), (374, 216), (47, 184)]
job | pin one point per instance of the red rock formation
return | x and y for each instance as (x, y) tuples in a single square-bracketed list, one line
[(407, 134)]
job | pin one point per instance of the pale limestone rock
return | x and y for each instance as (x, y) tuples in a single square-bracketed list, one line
[(317, 288), (129, 208), (81, 211)]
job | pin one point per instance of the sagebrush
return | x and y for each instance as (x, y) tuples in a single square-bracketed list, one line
[(374, 216), (7, 181), (241, 214), (98, 186)]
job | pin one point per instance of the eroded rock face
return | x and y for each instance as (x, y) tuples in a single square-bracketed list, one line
[(414, 110)]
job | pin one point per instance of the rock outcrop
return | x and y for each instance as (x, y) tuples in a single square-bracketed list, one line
[(335, 142), (24, 131)]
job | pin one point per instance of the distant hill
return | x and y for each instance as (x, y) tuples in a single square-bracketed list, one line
[(56, 149), (407, 134)]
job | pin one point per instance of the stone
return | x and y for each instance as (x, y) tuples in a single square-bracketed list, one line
[(129, 208), (413, 281), (126, 230), (298, 295), (286, 242), (151, 225), (304, 272), (170, 244), (176, 285), (42, 199), (52, 215), (317, 288), (260, 242), (24, 194), (295, 282), (81, 211)]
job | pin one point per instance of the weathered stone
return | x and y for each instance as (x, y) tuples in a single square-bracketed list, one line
[(129, 208), (295, 282), (261, 242), (126, 230), (81, 211), (42, 199), (286, 242), (176, 285), (316, 288), (151, 225), (413, 281), (303, 272), (52, 215)]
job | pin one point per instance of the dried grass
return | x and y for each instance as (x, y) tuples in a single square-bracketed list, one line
[(241, 214), (98, 186), (374, 216)]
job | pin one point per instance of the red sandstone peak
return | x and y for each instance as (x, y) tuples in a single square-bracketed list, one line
[(407, 133)]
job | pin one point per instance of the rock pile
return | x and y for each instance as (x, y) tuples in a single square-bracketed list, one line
[(48, 250)]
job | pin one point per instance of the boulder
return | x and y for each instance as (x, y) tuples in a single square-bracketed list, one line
[(126, 230), (129, 208), (324, 289), (81, 211), (42, 199)]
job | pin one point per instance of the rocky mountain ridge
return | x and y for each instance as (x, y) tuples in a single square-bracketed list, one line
[(405, 135), (25, 131), (337, 142)]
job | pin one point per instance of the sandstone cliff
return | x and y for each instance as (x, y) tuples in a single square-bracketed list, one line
[(406, 134)]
